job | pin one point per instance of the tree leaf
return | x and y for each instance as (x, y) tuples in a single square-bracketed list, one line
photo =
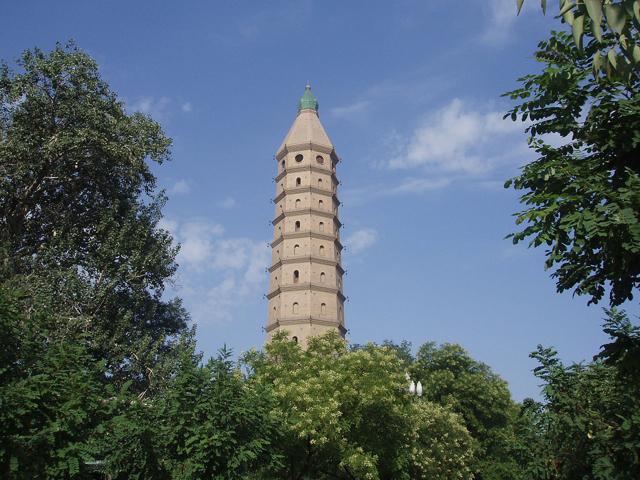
[(543, 4), (578, 30), (597, 62), (616, 17), (624, 41), (636, 9), (613, 58), (636, 53), (568, 16), (13, 464), (594, 8), (566, 6), (520, 2), (74, 466)]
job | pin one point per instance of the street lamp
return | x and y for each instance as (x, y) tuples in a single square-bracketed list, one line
[(414, 388)]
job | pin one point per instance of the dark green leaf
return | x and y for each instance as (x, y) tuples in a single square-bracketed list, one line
[(577, 28), (594, 8), (615, 16)]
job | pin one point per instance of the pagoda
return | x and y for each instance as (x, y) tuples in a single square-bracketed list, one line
[(305, 291)]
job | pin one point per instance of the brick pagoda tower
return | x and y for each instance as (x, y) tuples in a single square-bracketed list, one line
[(305, 289)]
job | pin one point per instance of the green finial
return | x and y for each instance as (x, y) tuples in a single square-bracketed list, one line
[(308, 100)]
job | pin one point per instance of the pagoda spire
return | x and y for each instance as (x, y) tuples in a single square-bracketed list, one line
[(307, 128), (308, 100)]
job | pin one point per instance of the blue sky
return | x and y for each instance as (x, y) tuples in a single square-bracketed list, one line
[(409, 93)]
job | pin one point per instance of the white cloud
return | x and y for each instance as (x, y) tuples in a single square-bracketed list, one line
[(361, 240), (457, 143), (231, 253), (418, 185), (457, 139), (169, 225), (157, 108), (186, 107), (181, 187), (407, 186), (258, 259), (217, 274), (501, 20), (228, 202), (196, 239), (352, 110)]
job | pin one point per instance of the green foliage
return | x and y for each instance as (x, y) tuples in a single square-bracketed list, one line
[(530, 446), (60, 420), (208, 423), (582, 198), (590, 418), (51, 397), (78, 235), (128, 442), (623, 352), (440, 444), (451, 378), (79, 212), (347, 414), (225, 429), (612, 26), (582, 201)]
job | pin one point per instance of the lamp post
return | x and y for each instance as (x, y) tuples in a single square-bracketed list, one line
[(414, 388)]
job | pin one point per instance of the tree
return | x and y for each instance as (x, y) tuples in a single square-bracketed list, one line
[(614, 24), (347, 414), (226, 428), (452, 378), (51, 397), (582, 198), (440, 446), (583, 201), (208, 423), (79, 212), (60, 420), (590, 416)]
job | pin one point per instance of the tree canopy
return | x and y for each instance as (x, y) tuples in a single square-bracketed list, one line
[(582, 193), (79, 211), (51, 391), (347, 414), (582, 200), (470, 388), (588, 423)]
